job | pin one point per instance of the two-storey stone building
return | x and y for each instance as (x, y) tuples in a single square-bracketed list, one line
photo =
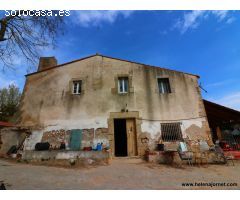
[(125, 105)]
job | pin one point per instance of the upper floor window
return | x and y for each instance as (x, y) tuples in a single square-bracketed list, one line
[(164, 85), (123, 85), (77, 87)]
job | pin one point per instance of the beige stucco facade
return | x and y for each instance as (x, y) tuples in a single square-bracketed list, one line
[(48, 103)]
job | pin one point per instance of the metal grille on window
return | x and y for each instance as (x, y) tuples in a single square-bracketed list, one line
[(77, 87), (171, 132), (164, 85)]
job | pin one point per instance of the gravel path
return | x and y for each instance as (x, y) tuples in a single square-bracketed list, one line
[(122, 173)]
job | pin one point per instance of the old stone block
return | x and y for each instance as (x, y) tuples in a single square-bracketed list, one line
[(55, 137), (87, 137), (101, 136)]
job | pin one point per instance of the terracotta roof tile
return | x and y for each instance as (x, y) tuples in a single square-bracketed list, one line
[(5, 124)]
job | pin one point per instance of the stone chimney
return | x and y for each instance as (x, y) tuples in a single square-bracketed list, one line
[(46, 62)]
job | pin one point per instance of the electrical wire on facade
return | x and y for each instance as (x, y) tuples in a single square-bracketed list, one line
[(171, 120)]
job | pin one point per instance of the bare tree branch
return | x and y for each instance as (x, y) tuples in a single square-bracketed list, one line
[(23, 36)]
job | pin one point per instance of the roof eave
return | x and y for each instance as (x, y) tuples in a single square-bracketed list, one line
[(109, 58)]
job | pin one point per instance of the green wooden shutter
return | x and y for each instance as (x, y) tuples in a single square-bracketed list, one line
[(76, 139)]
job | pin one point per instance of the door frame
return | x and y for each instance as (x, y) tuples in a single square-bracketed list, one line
[(116, 132), (124, 115)]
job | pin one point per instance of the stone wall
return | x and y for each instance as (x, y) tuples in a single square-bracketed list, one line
[(56, 137), (101, 136), (63, 155), (59, 109), (87, 138), (161, 158), (66, 158), (90, 138), (9, 138)]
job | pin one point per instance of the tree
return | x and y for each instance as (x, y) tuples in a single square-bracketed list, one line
[(23, 35), (9, 101)]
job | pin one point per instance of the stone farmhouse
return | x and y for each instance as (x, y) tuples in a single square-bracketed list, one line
[(127, 106)]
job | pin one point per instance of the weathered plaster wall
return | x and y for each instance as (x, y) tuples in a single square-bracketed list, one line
[(47, 100), (194, 129), (9, 138), (35, 137), (90, 138)]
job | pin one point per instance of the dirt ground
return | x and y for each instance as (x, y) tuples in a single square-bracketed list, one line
[(122, 173)]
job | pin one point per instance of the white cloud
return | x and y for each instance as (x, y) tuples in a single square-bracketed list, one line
[(95, 17), (192, 19), (5, 83), (230, 100), (220, 14), (189, 20), (230, 20)]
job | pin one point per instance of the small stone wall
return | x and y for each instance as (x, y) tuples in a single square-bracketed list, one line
[(101, 136), (55, 137), (161, 157), (90, 137), (64, 155), (87, 137), (9, 138)]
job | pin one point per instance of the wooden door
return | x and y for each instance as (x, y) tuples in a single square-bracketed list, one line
[(131, 137)]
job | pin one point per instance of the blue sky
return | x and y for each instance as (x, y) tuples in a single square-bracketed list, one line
[(206, 43)]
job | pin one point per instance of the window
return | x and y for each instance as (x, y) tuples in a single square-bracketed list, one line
[(171, 132), (77, 87), (123, 85), (164, 85)]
